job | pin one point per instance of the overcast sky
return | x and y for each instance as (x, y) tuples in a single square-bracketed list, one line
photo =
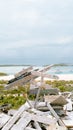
[(36, 31)]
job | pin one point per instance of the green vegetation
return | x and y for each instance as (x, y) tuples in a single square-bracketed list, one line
[(3, 82), (62, 64), (62, 85), (15, 101), (14, 97), (3, 74), (17, 96)]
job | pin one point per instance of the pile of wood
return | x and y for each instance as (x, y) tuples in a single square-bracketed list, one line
[(27, 118), (31, 115)]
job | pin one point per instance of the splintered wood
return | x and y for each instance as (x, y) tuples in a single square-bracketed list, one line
[(27, 118), (21, 119)]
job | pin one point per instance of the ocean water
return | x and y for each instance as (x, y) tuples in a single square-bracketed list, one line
[(53, 70), (61, 70)]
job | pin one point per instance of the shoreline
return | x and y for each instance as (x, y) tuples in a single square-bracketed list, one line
[(8, 77), (66, 77)]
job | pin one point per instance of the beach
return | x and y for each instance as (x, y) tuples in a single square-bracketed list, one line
[(65, 77), (8, 77)]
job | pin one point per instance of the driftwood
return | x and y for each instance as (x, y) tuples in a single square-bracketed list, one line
[(23, 122), (19, 82), (16, 116), (23, 71), (3, 119), (43, 119), (55, 115), (68, 123), (28, 118)]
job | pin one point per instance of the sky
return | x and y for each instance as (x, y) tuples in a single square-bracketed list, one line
[(36, 31)]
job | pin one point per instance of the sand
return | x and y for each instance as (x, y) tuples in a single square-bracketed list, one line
[(66, 77), (6, 77)]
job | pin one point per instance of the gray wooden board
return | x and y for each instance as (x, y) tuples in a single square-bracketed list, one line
[(43, 119), (40, 74), (23, 122), (55, 115), (3, 119), (23, 71), (16, 116), (68, 123), (19, 82)]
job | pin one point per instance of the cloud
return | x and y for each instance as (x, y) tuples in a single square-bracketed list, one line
[(36, 28)]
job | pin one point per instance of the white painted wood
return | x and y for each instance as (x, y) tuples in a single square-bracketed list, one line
[(41, 104), (38, 93), (3, 119), (43, 119), (12, 112), (16, 116), (68, 123), (68, 106), (36, 100), (23, 122), (41, 113), (36, 73), (55, 115), (30, 104)]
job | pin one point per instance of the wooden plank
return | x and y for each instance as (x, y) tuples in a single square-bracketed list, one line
[(68, 123), (41, 113), (36, 100), (16, 116), (23, 71), (68, 106), (23, 122), (46, 68), (44, 75), (43, 119), (20, 82), (38, 93), (3, 119), (11, 112), (55, 115), (30, 104)]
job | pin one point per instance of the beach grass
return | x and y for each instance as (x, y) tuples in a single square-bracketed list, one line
[(3, 74)]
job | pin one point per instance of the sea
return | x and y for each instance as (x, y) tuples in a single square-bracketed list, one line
[(11, 70)]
